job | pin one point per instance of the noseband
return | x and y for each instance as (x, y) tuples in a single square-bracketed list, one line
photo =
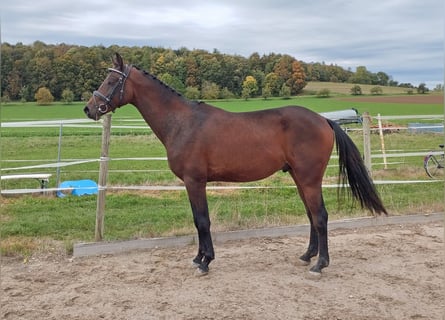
[(106, 105)]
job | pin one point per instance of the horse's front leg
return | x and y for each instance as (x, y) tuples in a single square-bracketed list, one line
[(198, 201)]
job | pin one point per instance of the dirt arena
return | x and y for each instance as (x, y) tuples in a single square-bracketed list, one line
[(380, 272)]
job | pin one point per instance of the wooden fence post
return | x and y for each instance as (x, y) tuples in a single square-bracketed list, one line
[(103, 172), (382, 141), (367, 141)]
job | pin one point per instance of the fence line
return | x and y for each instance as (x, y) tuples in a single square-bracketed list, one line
[(102, 185), (210, 187), (83, 123), (83, 161)]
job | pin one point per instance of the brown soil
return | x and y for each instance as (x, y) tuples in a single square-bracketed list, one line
[(416, 99), (384, 272)]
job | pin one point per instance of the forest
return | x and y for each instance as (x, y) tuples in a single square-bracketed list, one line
[(72, 72)]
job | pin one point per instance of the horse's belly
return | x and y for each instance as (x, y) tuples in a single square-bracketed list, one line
[(243, 169)]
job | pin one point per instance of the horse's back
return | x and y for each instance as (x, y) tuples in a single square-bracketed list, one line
[(283, 127), (299, 124)]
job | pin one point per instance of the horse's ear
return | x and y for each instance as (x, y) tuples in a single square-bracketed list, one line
[(118, 62)]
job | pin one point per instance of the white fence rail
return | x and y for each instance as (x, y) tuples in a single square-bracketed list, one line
[(102, 185), (134, 124)]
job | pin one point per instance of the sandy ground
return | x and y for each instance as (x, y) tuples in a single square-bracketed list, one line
[(385, 272)]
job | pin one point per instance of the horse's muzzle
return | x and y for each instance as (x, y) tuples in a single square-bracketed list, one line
[(87, 112)]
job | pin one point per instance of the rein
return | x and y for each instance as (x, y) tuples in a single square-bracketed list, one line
[(106, 106)]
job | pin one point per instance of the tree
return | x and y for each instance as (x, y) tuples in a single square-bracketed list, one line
[(285, 91), (361, 75), (159, 66), (250, 87), (273, 84), (283, 68), (25, 94), (14, 84), (192, 72), (438, 87), (298, 78), (43, 96), (67, 96), (26, 68), (211, 69), (382, 78), (422, 89), (356, 90), (266, 93), (172, 82)]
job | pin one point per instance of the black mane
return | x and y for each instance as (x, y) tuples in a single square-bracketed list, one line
[(153, 77)]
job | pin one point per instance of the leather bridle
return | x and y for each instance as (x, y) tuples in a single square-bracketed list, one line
[(106, 106)]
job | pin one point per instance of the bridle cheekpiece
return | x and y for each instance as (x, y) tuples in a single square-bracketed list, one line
[(106, 105)]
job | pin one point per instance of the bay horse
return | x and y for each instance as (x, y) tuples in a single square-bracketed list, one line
[(205, 143)]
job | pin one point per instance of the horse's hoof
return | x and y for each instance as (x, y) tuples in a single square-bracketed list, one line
[(200, 273), (314, 274), (302, 262), (195, 264)]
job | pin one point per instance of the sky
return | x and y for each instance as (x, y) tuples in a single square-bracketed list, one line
[(403, 38)]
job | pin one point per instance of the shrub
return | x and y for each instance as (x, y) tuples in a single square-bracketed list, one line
[(376, 90), (266, 93), (192, 93), (285, 92), (225, 93), (43, 96), (67, 96), (323, 93), (209, 90), (86, 95), (356, 90), (5, 98)]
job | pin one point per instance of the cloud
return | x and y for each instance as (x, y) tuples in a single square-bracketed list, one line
[(401, 37)]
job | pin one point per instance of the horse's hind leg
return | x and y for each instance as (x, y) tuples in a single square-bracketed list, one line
[(312, 198), (320, 225), (312, 249)]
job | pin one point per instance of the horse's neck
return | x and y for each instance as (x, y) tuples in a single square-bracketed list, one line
[(163, 109)]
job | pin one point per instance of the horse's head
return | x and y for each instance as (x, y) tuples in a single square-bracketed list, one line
[(111, 94)]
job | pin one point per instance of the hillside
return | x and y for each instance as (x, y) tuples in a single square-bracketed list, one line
[(345, 88)]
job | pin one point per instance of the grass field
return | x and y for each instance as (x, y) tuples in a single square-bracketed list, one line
[(345, 88), (29, 221), (58, 111)]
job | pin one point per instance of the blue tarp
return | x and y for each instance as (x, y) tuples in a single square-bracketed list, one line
[(425, 127), (77, 188)]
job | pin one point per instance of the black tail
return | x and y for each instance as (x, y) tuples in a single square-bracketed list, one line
[(353, 170)]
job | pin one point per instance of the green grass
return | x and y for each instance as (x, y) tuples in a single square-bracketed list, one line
[(58, 111), (26, 220)]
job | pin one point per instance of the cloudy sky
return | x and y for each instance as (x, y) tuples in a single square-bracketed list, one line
[(403, 38)]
